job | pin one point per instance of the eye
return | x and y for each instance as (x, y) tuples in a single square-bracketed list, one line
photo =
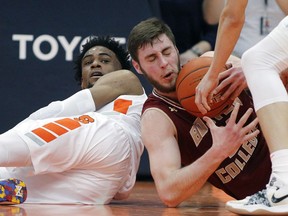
[(88, 62), (151, 58), (167, 52), (105, 61)]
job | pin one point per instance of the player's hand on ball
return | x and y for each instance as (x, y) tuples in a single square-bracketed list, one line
[(234, 79), (188, 79)]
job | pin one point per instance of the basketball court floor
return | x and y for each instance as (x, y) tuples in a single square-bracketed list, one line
[(143, 201)]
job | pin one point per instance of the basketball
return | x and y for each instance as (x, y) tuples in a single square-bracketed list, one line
[(189, 77)]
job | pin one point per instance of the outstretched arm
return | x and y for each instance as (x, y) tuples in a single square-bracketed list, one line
[(212, 10), (230, 25), (112, 85), (283, 4), (105, 90), (175, 184), (211, 14)]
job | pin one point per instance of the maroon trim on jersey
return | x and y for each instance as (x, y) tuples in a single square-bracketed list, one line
[(167, 100)]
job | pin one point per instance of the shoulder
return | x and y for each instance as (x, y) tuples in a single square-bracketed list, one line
[(155, 118)]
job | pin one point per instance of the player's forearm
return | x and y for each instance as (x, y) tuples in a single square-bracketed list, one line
[(187, 181), (212, 10), (229, 29), (283, 4), (112, 85)]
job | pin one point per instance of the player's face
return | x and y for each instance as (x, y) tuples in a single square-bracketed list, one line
[(159, 63), (97, 62)]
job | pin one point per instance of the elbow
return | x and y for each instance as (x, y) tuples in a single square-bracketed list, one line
[(169, 200), (121, 196)]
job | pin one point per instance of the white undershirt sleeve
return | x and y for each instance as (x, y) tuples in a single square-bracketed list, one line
[(79, 103)]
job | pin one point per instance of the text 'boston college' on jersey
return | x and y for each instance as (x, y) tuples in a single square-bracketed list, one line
[(241, 174)]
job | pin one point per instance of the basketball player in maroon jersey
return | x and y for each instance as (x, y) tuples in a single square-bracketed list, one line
[(184, 151)]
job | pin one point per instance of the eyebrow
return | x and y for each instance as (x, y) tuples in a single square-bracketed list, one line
[(153, 54), (100, 54)]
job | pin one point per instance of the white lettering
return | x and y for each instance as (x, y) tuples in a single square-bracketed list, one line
[(22, 44), (53, 44), (69, 48)]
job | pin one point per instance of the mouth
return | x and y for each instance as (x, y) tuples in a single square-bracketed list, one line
[(96, 74), (168, 75)]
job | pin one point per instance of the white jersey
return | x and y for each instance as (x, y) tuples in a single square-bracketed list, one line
[(82, 159)]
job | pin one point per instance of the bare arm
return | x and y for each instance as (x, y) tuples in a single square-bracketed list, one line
[(175, 184), (105, 90), (211, 14), (283, 4), (114, 84), (230, 26), (212, 10)]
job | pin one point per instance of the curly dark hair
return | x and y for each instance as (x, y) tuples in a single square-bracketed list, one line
[(105, 41)]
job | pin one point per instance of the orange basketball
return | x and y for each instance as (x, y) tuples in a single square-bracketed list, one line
[(189, 77)]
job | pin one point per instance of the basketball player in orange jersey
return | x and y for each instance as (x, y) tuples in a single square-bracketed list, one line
[(80, 151), (262, 65), (185, 151)]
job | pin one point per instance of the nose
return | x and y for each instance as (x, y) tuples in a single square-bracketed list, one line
[(162, 61), (95, 64)]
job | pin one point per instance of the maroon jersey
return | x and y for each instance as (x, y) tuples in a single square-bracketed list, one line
[(240, 175)]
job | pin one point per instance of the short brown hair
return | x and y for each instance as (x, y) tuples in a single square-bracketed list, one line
[(145, 33)]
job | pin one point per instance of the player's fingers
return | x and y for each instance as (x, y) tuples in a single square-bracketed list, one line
[(223, 75), (219, 88), (251, 126), (232, 92), (202, 109), (245, 117), (251, 135), (232, 96), (234, 113), (205, 104), (228, 65), (210, 123), (199, 101), (237, 91), (227, 94)]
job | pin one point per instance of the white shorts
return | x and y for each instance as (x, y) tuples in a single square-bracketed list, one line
[(262, 65), (75, 160)]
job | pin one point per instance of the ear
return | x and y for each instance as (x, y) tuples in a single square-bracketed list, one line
[(82, 84), (136, 66)]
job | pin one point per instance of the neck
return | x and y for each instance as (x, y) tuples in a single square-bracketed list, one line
[(170, 95)]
